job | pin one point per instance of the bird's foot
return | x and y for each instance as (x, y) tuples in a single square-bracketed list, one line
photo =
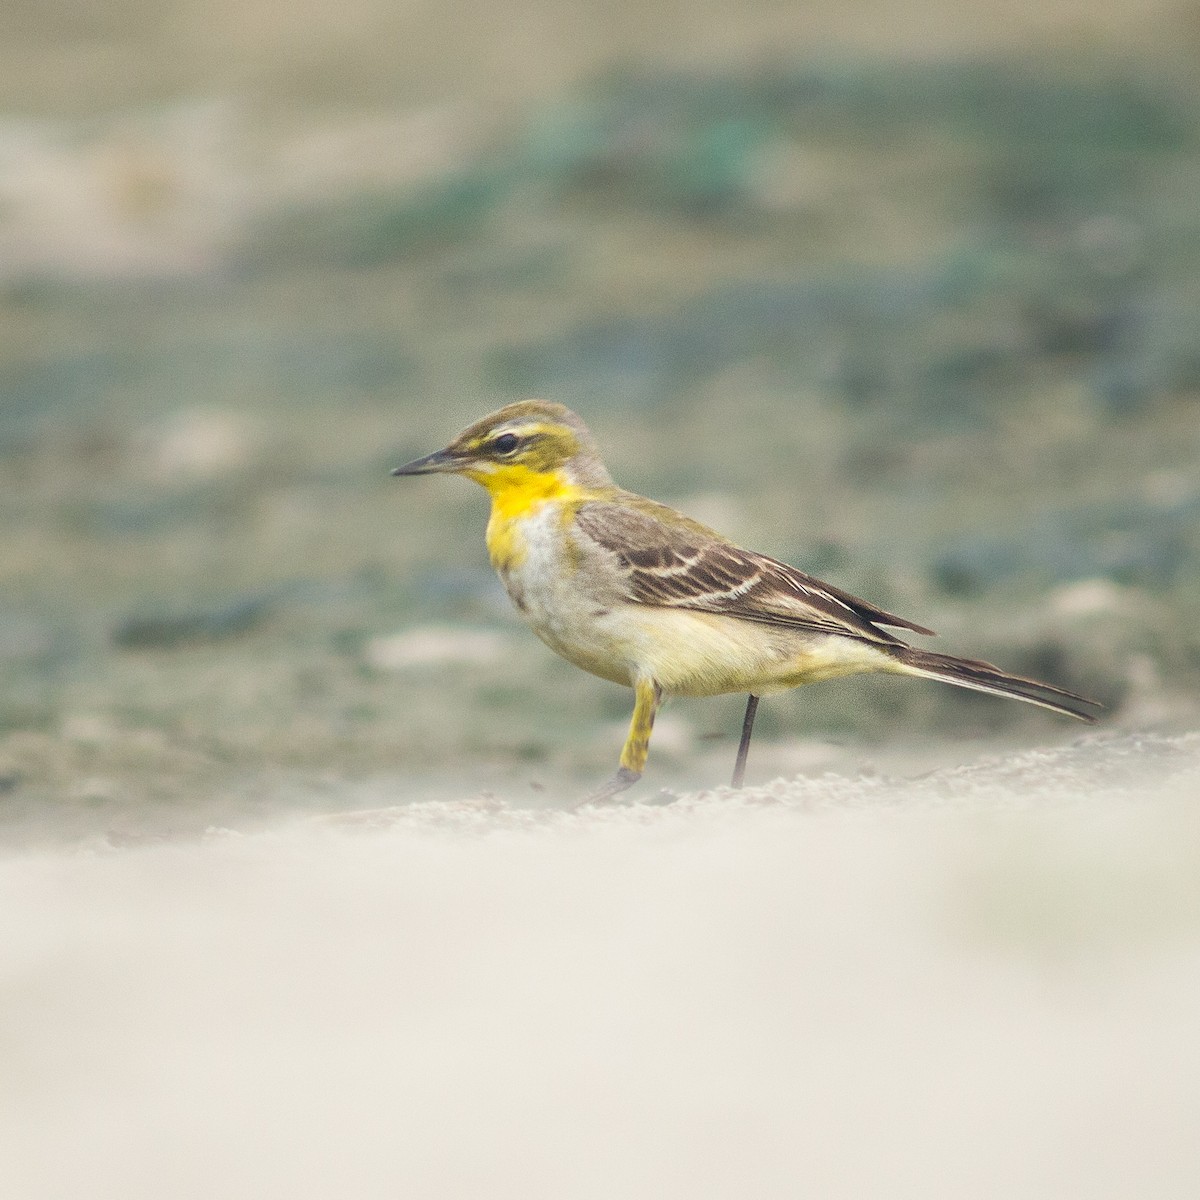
[(624, 778)]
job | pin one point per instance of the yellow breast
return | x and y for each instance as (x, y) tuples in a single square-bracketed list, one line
[(519, 493)]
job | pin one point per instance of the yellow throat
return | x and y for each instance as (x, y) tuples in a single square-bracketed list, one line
[(517, 493)]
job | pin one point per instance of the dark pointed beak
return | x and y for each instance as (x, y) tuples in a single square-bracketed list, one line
[(431, 464)]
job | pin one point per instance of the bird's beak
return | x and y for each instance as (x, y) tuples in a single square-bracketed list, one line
[(440, 461)]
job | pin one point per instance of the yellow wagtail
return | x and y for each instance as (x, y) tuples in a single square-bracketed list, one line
[(635, 592)]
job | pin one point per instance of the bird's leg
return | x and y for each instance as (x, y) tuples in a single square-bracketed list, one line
[(647, 697), (739, 766)]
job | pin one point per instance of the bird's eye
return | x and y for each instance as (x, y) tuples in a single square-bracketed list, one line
[(505, 444)]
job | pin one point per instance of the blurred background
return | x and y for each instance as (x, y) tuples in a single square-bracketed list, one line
[(905, 294)]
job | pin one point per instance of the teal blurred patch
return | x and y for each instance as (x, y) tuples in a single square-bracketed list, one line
[(1137, 544), (165, 631)]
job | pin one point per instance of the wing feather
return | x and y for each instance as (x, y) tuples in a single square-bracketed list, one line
[(674, 562)]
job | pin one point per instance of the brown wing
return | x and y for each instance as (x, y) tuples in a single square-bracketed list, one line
[(674, 562)]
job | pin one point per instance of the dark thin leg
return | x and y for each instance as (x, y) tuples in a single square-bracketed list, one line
[(739, 767)]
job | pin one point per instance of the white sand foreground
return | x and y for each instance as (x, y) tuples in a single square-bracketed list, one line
[(981, 983)]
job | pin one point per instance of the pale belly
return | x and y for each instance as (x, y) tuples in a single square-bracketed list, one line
[(705, 654), (685, 653), (565, 614)]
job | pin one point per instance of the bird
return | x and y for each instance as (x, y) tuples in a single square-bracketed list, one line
[(637, 593)]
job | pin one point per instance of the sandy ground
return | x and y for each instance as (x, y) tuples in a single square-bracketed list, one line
[(982, 982)]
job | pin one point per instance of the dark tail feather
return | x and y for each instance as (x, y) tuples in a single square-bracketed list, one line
[(983, 677)]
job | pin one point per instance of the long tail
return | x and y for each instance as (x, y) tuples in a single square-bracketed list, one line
[(983, 677)]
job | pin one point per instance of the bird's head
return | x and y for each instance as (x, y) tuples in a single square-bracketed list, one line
[(518, 445)]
